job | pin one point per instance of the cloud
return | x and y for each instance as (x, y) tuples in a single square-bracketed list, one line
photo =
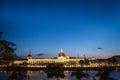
[(40, 54)]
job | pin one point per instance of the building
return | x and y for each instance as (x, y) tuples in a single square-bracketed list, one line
[(115, 59), (62, 58)]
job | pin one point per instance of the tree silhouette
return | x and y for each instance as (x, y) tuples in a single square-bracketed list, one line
[(79, 74), (86, 62), (112, 61), (55, 70), (81, 62), (17, 75), (7, 51), (104, 75)]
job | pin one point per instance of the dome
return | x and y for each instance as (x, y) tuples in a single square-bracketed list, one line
[(61, 53), (29, 55)]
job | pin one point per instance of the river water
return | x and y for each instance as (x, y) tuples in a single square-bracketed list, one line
[(41, 75)]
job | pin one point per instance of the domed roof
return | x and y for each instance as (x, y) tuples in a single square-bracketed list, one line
[(61, 53), (29, 55)]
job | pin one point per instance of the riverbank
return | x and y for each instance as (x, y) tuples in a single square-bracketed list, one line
[(115, 68)]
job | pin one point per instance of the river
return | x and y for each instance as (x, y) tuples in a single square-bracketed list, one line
[(41, 75)]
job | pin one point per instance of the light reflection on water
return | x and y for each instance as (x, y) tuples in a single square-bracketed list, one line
[(40, 75)]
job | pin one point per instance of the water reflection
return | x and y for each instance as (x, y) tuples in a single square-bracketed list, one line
[(55, 71), (41, 75), (17, 75), (104, 75), (79, 74), (38, 75)]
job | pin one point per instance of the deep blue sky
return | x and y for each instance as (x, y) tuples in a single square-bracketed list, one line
[(77, 26)]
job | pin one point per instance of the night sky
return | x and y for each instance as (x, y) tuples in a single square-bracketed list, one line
[(90, 27)]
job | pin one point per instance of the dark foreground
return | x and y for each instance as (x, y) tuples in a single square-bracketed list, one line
[(115, 68)]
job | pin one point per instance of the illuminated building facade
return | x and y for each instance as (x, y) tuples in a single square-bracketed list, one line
[(62, 58)]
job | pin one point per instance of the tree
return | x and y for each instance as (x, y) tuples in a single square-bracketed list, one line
[(86, 62), (79, 74), (17, 75), (112, 61), (104, 75), (55, 70), (7, 51), (81, 62)]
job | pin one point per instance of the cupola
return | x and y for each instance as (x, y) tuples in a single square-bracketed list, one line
[(29, 55)]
